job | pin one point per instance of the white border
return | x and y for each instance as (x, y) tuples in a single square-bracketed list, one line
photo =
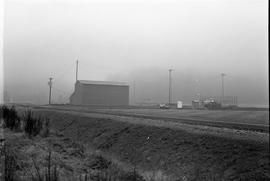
[(1, 52)]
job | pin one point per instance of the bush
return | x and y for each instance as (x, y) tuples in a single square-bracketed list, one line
[(10, 117), (32, 125), (45, 128)]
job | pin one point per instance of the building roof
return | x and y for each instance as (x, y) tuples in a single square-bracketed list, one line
[(102, 82)]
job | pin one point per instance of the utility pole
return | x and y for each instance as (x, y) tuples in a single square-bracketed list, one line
[(77, 64), (134, 91), (170, 85), (222, 86), (50, 89), (197, 89)]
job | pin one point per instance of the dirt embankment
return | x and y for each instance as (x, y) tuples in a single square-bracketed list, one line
[(166, 151)]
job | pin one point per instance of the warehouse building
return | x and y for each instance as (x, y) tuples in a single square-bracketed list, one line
[(100, 93)]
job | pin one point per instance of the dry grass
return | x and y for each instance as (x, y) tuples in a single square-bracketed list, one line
[(10, 117), (157, 153), (59, 159), (30, 124), (179, 154)]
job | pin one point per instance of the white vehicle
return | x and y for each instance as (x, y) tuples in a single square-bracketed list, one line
[(164, 106)]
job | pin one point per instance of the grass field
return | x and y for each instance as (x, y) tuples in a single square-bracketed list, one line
[(172, 153), (158, 150)]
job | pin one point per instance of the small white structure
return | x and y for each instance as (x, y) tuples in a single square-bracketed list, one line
[(179, 104)]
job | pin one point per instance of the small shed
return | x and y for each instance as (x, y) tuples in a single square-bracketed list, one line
[(179, 104)]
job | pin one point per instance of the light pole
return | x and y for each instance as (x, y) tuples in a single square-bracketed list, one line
[(134, 91), (222, 86), (197, 88), (50, 89), (77, 65), (170, 85)]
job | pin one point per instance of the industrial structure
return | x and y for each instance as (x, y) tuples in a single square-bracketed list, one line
[(215, 102), (100, 93)]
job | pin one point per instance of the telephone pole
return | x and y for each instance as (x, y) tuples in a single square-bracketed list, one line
[(222, 86), (77, 64), (134, 91), (170, 85), (50, 89)]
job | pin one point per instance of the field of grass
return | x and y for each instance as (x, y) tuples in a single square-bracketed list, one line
[(94, 146), (167, 152), (28, 159), (29, 153)]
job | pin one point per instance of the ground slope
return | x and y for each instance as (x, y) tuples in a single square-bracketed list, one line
[(168, 151)]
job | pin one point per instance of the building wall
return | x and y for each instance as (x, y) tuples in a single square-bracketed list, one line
[(75, 98), (105, 95), (92, 94)]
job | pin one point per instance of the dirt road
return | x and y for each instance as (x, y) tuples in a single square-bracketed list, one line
[(194, 129), (240, 120)]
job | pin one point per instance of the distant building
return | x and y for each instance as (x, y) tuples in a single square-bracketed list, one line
[(100, 93), (205, 104)]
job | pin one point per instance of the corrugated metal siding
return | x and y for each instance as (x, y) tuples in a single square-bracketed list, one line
[(76, 98), (94, 82), (105, 95), (91, 94)]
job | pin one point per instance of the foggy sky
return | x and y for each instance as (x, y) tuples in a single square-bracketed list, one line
[(137, 42)]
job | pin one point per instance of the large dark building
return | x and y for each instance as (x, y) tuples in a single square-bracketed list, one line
[(100, 93)]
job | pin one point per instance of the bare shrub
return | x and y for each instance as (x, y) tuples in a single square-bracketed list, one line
[(11, 118), (45, 128), (32, 125)]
